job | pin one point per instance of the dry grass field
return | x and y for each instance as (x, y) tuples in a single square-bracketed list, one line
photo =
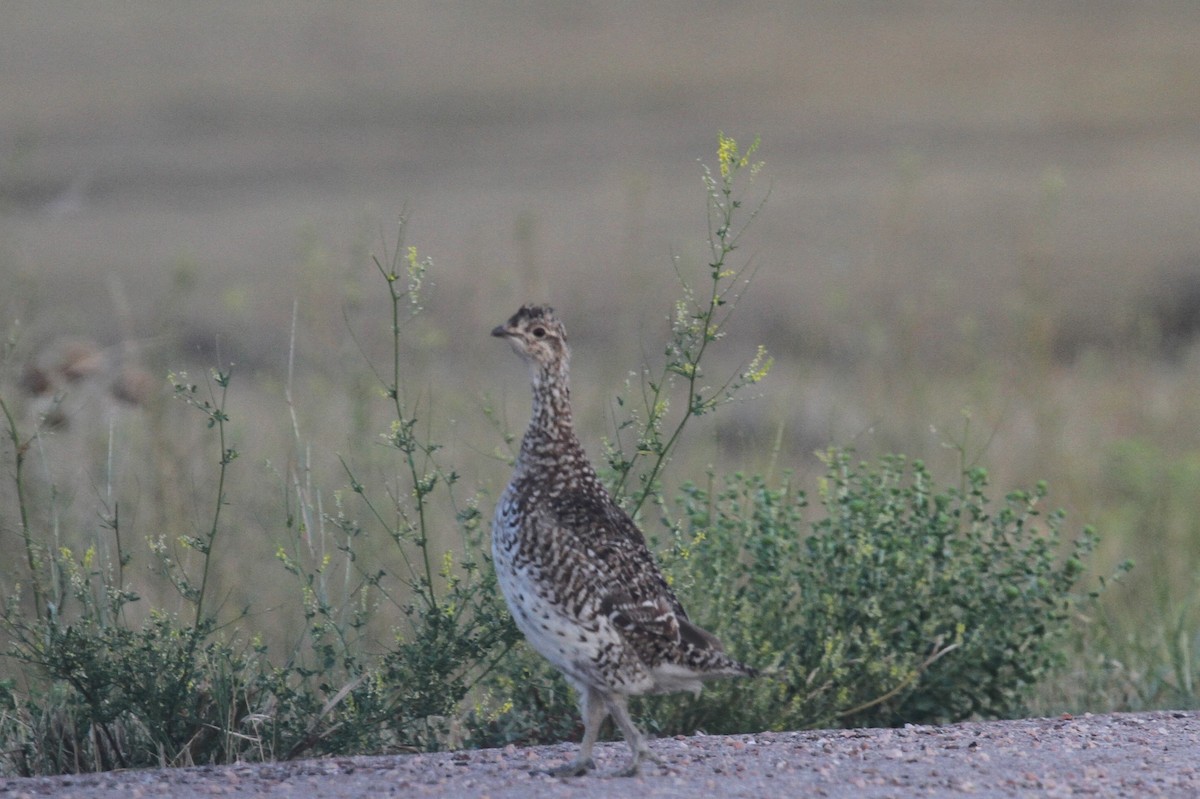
[(981, 247)]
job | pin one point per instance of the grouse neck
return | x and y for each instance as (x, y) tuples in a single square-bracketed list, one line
[(551, 422)]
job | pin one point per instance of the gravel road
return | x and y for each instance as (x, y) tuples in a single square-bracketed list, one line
[(1125, 755)]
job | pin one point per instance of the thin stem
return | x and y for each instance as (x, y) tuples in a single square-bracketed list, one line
[(218, 419), (19, 450), (722, 245), (491, 665), (403, 437), (356, 487), (935, 655)]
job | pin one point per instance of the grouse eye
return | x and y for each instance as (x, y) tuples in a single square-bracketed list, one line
[(539, 332)]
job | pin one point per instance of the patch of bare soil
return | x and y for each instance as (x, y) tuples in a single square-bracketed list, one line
[(1136, 754)]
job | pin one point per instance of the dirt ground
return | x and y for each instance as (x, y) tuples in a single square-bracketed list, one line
[(1146, 754)]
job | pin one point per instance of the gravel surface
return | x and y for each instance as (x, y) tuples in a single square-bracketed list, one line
[(1127, 755)]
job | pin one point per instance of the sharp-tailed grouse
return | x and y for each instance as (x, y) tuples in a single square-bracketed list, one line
[(576, 572)]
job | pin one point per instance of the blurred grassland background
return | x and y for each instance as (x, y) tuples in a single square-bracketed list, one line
[(981, 247)]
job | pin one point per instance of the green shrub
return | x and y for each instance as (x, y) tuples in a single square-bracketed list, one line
[(106, 683), (905, 602), (103, 689)]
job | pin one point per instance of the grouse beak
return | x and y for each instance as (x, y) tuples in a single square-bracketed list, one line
[(499, 331)]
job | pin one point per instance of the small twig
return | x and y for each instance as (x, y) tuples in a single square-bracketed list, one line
[(311, 736), (903, 683)]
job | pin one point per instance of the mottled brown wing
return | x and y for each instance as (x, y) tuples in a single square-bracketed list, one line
[(608, 558)]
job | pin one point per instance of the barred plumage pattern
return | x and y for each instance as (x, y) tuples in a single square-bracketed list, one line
[(575, 570)]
